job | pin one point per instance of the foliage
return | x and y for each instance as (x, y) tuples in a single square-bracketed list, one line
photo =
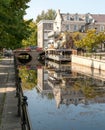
[(89, 41), (68, 40), (32, 39), (49, 15), (13, 28), (101, 37), (29, 77), (78, 39)]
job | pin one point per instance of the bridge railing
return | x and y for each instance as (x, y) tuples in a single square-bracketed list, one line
[(22, 102)]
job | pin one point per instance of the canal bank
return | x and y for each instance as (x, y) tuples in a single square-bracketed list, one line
[(9, 119), (89, 62)]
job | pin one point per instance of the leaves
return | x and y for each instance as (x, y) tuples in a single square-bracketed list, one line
[(89, 41), (49, 15), (32, 39), (13, 28)]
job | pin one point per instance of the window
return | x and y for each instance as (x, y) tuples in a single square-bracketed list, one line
[(45, 36), (76, 18), (68, 17), (67, 27), (87, 19), (75, 27), (102, 28), (82, 29)]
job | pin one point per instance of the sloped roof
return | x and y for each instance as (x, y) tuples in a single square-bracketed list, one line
[(98, 17), (81, 16)]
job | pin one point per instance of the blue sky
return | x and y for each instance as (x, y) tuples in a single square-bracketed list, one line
[(66, 6)]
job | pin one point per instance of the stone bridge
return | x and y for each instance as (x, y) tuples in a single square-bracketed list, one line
[(33, 56)]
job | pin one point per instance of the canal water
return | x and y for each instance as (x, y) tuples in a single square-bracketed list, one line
[(64, 96)]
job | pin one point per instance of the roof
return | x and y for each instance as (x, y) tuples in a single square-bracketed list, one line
[(98, 17), (81, 16)]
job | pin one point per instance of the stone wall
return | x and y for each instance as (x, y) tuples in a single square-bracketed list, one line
[(89, 62)]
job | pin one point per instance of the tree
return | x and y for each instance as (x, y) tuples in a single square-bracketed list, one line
[(29, 77), (13, 28), (78, 39), (101, 39), (32, 39), (49, 15), (89, 41)]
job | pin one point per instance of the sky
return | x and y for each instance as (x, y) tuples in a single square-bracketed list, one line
[(65, 6)]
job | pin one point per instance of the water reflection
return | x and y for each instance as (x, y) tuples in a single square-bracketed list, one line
[(65, 97), (72, 84), (28, 76)]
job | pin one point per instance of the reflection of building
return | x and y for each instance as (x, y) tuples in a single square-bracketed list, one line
[(74, 87), (70, 86), (60, 70), (64, 92), (61, 81), (90, 72), (42, 84), (68, 96)]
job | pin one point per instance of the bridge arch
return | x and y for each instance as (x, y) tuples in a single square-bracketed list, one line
[(31, 56), (24, 58)]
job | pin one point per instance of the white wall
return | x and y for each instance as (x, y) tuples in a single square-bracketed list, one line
[(90, 62)]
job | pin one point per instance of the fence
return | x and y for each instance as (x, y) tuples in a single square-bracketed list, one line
[(22, 101)]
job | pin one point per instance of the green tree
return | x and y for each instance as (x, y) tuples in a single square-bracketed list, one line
[(29, 77), (78, 39), (32, 39), (13, 28), (49, 15), (101, 39), (89, 41)]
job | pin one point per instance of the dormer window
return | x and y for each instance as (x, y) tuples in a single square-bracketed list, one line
[(87, 18), (76, 17), (68, 17)]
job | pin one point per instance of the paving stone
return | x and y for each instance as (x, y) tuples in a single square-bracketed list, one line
[(9, 118)]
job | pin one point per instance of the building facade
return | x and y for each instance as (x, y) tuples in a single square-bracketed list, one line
[(44, 27), (48, 29), (78, 22)]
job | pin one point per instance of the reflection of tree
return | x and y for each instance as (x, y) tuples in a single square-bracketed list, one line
[(50, 96), (86, 88), (29, 77), (89, 92)]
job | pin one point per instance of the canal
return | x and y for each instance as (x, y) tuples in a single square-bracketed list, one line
[(64, 96)]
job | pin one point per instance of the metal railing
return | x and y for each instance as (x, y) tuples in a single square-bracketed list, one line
[(22, 101)]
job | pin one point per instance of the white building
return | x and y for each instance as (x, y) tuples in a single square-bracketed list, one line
[(44, 27)]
